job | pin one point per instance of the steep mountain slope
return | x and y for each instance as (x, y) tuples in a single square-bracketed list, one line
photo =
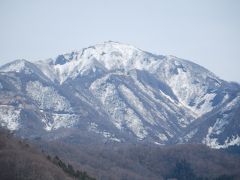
[(217, 129), (117, 92)]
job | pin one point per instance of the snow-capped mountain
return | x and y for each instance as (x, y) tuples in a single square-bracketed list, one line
[(116, 92)]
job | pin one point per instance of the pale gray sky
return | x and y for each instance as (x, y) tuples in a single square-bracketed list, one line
[(205, 31)]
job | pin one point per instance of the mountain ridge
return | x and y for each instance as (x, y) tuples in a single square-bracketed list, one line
[(122, 94)]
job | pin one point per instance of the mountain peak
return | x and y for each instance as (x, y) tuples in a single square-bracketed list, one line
[(113, 46), (118, 44), (15, 66), (133, 93), (111, 55)]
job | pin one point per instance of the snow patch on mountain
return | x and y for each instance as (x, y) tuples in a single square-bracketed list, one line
[(9, 117), (63, 121), (47, 97), (47, 70), (213, 142), (162, 137), (180, 85), (232, 104), (121, 114), (94, 128), (57, 121), (136, 104), (16, 66), (188, 136)]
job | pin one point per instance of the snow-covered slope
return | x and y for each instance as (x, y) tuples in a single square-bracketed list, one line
[(194, 86), (121, 93)]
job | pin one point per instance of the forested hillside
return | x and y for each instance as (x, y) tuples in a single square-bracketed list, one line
[(19, 160)]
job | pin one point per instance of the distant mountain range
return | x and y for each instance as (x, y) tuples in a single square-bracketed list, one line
[(116, 93)]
